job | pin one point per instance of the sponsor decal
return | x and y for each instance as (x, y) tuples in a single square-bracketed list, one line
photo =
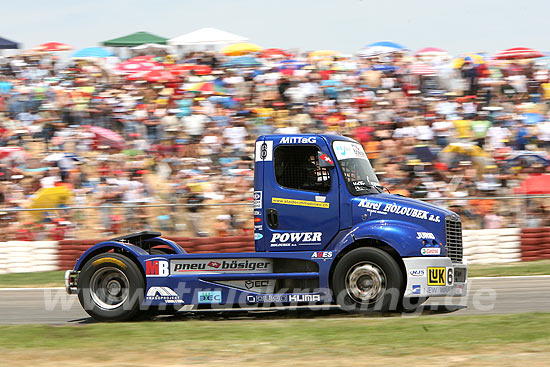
[(257, 212), (430, 251), (415, 289), (206, 266), (257, 200), (425, 236), (258, 227), (264, 151), (417, 272), (326, 158), (347, 150), (399, 210), (257, 286), (209, 297), (320, 199), (257, 220), (157, 267), (365, 203), (439, 290), (249, 284), (268, 298), (165, 294), (436, 276), (298, 140), (314, 204), (258, 236), (324, 255), (296, 238)]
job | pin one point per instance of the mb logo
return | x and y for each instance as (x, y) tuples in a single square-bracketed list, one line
[(157, 267)]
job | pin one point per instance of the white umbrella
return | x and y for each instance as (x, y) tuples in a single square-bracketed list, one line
[(206, 36), (153, 47)]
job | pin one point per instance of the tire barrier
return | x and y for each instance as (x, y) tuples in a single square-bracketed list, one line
[(482, 246), (71, 250), (492, 246), (28, 256), (535, 244)]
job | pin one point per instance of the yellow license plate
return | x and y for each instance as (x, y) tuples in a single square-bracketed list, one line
[(436, 276)]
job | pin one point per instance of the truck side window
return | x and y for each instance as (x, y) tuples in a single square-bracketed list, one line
[(296, 167)]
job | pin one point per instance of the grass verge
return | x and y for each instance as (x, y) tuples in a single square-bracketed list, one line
[(350, 341)]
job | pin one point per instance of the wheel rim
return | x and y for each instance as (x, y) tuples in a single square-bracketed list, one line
[(109, 288), (365, 282)]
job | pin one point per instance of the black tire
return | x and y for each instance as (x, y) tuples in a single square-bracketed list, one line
[(111, 287), (367, 279)]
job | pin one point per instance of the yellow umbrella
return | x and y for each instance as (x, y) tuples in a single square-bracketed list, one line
[(465, 148), (50, 197), (238, 49), (322, 54), (475, 58)]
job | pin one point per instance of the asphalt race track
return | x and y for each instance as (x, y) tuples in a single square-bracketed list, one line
[(485, 296)]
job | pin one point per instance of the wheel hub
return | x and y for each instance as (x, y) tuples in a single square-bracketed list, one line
[(365, 282), (109, 288)]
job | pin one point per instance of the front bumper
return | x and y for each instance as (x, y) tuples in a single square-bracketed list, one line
[(435, 277), (71, 279)]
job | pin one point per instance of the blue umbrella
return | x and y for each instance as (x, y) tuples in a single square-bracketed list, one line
[(388, 44), (291, 64), (98, 52), (533, 118), (243, 61), (384, 67), (330, 83), (381, 48)]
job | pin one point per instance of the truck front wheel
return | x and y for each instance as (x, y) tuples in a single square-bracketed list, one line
[(367, 279), (110, 287)]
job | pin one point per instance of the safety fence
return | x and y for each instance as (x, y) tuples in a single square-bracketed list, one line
[(486, 246)]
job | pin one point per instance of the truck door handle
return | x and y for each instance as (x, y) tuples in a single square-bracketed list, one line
[(272, 218)]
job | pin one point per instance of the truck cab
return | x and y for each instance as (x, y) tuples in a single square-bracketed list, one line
[(325, 232), (320, 193)]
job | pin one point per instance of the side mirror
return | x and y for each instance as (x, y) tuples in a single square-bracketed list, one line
[(324, 160)]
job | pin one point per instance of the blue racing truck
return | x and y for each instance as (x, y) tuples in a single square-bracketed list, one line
[(325, 233)]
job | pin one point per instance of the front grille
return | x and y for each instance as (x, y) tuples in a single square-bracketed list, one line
[(453, 243)]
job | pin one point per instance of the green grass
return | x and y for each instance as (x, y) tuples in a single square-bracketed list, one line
[(382, 336), (56, 278), (541, 267), (38, 279)]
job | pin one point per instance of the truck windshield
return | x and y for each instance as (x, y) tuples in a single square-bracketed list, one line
[(356, 168)]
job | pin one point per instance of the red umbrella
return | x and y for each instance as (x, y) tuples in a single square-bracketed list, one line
[(159, 76), (534, 185), (6, 152), (422, 69), (52, 47), (142, 58), (518, 53), (133, 67), (274, 52), (108, 137), (182, 69)]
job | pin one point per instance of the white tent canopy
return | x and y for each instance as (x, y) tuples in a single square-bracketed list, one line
[(206, 36)]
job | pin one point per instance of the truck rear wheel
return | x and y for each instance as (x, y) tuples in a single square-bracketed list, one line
[(111, 287), (367, 279)]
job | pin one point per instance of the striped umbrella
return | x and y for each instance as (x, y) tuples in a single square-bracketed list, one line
[(430, 51), (422, 69), (518, 53)]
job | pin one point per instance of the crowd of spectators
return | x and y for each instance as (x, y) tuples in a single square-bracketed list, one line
[(454, 132)]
